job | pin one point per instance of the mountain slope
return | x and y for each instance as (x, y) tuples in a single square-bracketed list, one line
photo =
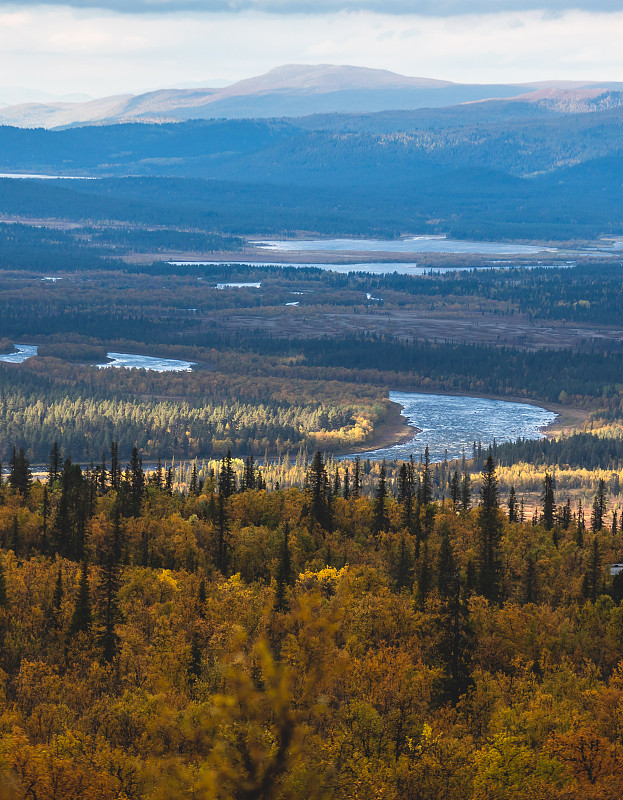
[(299, 90)]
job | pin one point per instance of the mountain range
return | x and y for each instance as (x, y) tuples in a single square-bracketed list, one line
[(301, 90)]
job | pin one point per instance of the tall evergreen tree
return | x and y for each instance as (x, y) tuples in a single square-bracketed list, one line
[(82, 617), (581, 526), (108, 590), (403, 572), (512, 506), (590, 582), (227, 478), (54, 464), (4, 602), (456, 643), (20, 476), (466, 492), (599, 507), (137, 482), (426, 482), (548, 504), (318, 487), (356, 489), (115, 466), (455, 489), (381, 519), (490, 527), (446, 568), (284, 572)]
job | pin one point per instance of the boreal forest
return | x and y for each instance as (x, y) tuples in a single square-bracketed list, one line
[(218, 579)]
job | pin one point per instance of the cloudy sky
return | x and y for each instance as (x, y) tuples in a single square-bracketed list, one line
[(115, 46)]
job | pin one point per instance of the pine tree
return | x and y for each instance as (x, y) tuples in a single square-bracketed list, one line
[(45, 513), (82, 619), (489, 524), (615, 525), (222, 533)]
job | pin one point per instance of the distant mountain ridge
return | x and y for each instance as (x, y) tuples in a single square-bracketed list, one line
[(301, 90)]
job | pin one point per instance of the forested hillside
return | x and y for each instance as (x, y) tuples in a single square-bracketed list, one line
[(230, 642)]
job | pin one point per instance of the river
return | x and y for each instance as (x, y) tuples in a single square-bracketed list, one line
[(454, 422)]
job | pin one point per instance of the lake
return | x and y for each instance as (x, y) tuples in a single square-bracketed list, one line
[(411, 244), (372, 267), (454, 422), (24, 351), (131, 361)]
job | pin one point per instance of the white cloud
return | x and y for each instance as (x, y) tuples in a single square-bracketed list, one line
[(63, 50)]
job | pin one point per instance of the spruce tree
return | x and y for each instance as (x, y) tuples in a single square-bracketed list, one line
[(403, 572), (284, 572), (455, 490), (108, 590), (590, 582), (466, 492), (57, 598), (82, 618), (381, 519), (318, 486), (115, 466), (356, 489), (4, 602), (227, 478), (456, 643), (54, 464), (446, 568), (548, 503), (490, 527), (20, 476), (599, 507), (426, 483), (512, 506)]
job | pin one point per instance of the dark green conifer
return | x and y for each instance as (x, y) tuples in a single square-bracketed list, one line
[(381, 519), (20, 476), (82, 618), (490, 527)]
